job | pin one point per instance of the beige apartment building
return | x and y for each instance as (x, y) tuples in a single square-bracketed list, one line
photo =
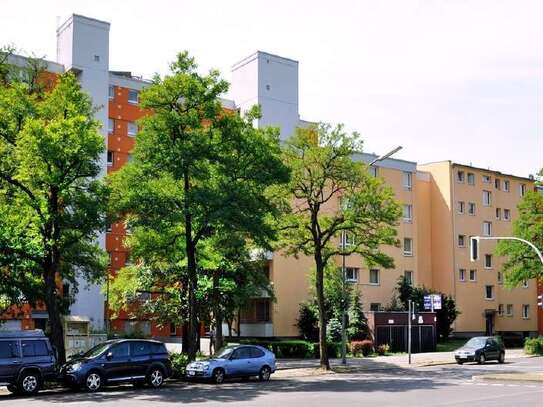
[(444, 205)]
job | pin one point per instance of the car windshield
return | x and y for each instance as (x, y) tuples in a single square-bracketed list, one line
[(224, 353), (476, 343), (97, 350)]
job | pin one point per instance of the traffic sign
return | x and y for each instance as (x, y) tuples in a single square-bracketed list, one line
[(432, 301)]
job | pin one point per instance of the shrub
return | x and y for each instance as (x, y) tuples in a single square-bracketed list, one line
[(364, 347), (307, 323), (333, 349), (534, 346), (333, 332), (289, 349), (179, 364), (382, 349)]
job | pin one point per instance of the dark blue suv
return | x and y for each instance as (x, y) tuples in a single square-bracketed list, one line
[(134, 361), (27, 360)]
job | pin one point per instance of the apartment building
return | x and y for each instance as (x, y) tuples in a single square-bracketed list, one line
[(443, 204)]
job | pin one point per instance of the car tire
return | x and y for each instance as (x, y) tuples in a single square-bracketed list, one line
[(93, 381), (29, 383), (481, 359), (501, 358), (264, 374), (218, 376), (459, 362), (13, 389), (155, 378)]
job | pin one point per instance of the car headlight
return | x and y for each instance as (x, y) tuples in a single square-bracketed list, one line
[(75, 367)]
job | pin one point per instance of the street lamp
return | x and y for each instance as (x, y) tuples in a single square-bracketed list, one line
[(344, 272)]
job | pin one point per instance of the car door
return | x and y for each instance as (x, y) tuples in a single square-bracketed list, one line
[(117, 364), (491, 349), (257, 360), (10, 360), (140, 354), (240, 362), (36, 353)]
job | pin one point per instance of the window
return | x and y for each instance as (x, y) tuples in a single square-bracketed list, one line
[(506, 214), (120, 351), (525, 284), (256, 353), (471, 178), (373, 171), (109, 227), (486, 179), (34, 348), (460, 207), (509, 309), (461, 240), (110, 156), (374, 277), (471, 208), (140, 348), (487, 228), (408, 275), (351, 274), (407, 246), (522, 189), (262, 311), (375, 306), (498, 213), (133, 96), (173, 329), (111, 91), (497, 183), (488, 261), (473, 275), (487, 198), (460, 176), (462, 274), (500, 277), (407, 181), (489, 292), (506, 186), (158, 348), (132, 129), (9, 349), (408, 213), (525, 311), (110, 256), (346, 239), (110, 125), (500, 310)]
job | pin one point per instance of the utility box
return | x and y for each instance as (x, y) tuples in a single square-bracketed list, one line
[(391, 328), (77, 335)]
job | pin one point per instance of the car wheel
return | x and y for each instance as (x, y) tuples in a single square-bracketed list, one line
[(264, 374), (13, 389), (29, 383), (156, 378), (218, 376), (482, 359), (93, 381), (501, 358), (459, 362)]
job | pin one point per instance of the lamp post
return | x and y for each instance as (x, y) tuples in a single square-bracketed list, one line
[(344, 272)]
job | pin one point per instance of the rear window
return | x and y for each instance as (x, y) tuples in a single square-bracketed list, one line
[(256, 353), (158, 348), (34, 348), (8, 349), (140, 348)]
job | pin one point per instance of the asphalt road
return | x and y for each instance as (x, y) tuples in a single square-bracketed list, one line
[(448, 385)]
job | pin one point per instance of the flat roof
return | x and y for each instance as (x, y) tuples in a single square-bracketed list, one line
[(454, 164), (255, 55)]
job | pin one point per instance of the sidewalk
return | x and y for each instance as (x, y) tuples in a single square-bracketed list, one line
[(378, 363)]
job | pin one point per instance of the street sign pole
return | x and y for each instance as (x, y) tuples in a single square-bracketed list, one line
[(344, 303), (409, 311)]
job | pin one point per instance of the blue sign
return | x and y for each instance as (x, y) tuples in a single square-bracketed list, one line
[(432, 298)]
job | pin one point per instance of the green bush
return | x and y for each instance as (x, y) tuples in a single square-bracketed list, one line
[(382, 349), (333, 331), (534, 346), (332, 348), (288, 349), (179, 364)]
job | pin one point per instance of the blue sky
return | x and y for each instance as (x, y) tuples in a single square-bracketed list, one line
[(458, 80)]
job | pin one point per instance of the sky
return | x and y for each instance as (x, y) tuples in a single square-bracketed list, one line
[(447, 80)]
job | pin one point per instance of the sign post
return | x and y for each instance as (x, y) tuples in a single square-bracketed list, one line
[(409, 311)]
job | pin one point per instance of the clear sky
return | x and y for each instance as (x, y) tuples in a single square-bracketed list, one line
[(458, 80)]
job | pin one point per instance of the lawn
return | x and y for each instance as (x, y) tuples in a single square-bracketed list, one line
[(449, 345)]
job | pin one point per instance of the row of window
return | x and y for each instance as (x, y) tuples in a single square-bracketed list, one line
[(111, 157), (473, 274), (133, 95), (501, 214), (500, 185), (30, 348), (509, 310), (346, 239), (407, 177), (132, 127), (351, 275)]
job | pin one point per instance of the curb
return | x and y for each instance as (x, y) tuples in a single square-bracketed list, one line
[(511, 377)]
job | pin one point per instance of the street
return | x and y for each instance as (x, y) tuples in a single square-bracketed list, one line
[(447, 385)]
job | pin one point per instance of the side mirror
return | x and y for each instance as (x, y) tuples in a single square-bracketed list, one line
[(109, 355)]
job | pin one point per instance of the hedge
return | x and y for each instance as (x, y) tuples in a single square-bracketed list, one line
[(534, 346)]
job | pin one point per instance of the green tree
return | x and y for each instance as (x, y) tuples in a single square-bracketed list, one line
[(358, 323), (522, 261), (197, 170), (323, 171), (51, 203)]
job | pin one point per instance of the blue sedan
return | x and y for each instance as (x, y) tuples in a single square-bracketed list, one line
[(235, 361)]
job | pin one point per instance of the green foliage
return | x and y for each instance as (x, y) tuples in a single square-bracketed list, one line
[(522, 261), (383, 349), (307, 323), (357, 328), (285, 349), (333, 334), (534, 346), (179, 364)]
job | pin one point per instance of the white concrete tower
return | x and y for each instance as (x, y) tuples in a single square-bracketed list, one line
[(83, 47), (272, 82)]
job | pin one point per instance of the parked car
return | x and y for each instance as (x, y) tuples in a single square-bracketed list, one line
[(134, 361), (480, 349), (27, 360), (235, 361)]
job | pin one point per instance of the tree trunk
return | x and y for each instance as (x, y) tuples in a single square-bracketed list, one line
[(53, 311), (217, 311), (319, 283), (229, 328), (238, 323)]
